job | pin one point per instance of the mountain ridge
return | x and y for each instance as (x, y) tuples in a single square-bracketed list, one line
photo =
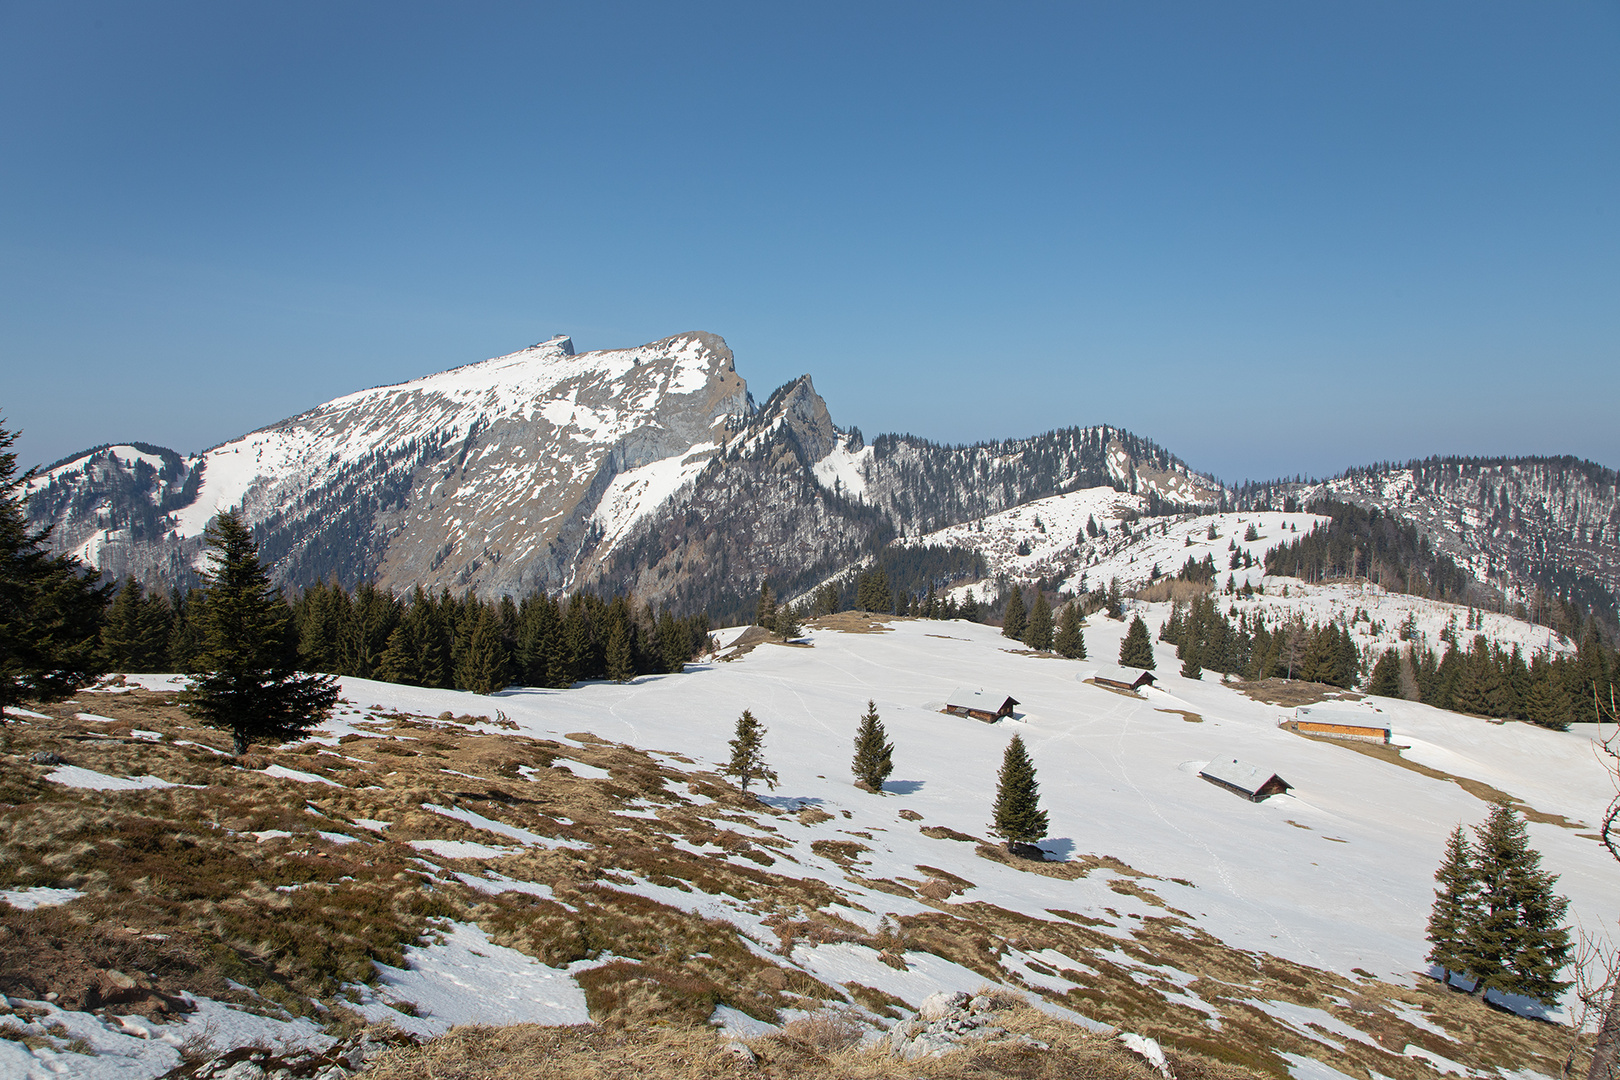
[(651, 467)]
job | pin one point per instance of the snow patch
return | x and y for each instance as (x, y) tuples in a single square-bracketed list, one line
[(75, 776), (37, 897), (461, 849), (464, 978), (302, 777), (843, 471)]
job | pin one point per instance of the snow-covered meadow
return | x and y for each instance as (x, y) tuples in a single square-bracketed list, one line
[(1335, 875)]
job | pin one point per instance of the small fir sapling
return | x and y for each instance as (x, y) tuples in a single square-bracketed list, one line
[(874, 754), (1016, 815), (747, 762)]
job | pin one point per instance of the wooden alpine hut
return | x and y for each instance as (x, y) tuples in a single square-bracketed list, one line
[(979, 704), (1337, 724), (1115, 677), (1249, 781)]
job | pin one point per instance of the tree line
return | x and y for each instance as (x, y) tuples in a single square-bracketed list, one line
[(442, 640), (1361, 542), (1553, 690), (1231, 643)]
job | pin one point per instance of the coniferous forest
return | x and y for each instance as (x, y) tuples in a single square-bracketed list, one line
[(1358, 542), (1477, 677), (472, 644), (462, 643)]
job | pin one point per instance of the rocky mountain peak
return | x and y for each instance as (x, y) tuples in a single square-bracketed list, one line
[(802, 413)]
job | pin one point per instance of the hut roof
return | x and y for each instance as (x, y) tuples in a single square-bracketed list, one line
[(986, 701), (1245, 779), (1114, 673)]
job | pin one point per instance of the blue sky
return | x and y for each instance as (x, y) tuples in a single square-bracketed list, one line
[(1276, 238)]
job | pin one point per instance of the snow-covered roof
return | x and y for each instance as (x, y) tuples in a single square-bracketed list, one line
[(987, 701), (1115, 673), (1240, 775), (1338, 712)]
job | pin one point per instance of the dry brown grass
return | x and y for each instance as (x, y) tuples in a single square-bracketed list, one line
[(825, 1031), (855, 622), (1172, 589), (997, 853), (1292, 693), (816, 1048)]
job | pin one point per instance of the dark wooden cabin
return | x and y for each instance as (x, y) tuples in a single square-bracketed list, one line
[(979, 704), (1249, 781), (1122, 678)]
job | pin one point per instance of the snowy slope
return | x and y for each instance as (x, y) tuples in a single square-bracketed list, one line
[(1180, 891), (1336, 874)]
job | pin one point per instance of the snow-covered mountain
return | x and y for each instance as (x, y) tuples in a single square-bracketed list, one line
[(1516, 524), (486, 476), (545, 469)]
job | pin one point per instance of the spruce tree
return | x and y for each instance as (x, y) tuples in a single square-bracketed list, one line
[(50, 606), (1175, 627), (1016, 815), (484, 662), (873, 752), (1456, 907), (242, 678), (398, 661), (1190, 667), (1115, 600), (182, 642), (1136, 650), (747, 762), (1547, 704), (1516, 945), (874, 592), (674, 643), (1012, 620), (1038, 630), (619, 666), (1386, 676), (1070, 642), (134, 637), (787, 623)]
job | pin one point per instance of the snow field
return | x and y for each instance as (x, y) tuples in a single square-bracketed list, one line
[(1336, 874)]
